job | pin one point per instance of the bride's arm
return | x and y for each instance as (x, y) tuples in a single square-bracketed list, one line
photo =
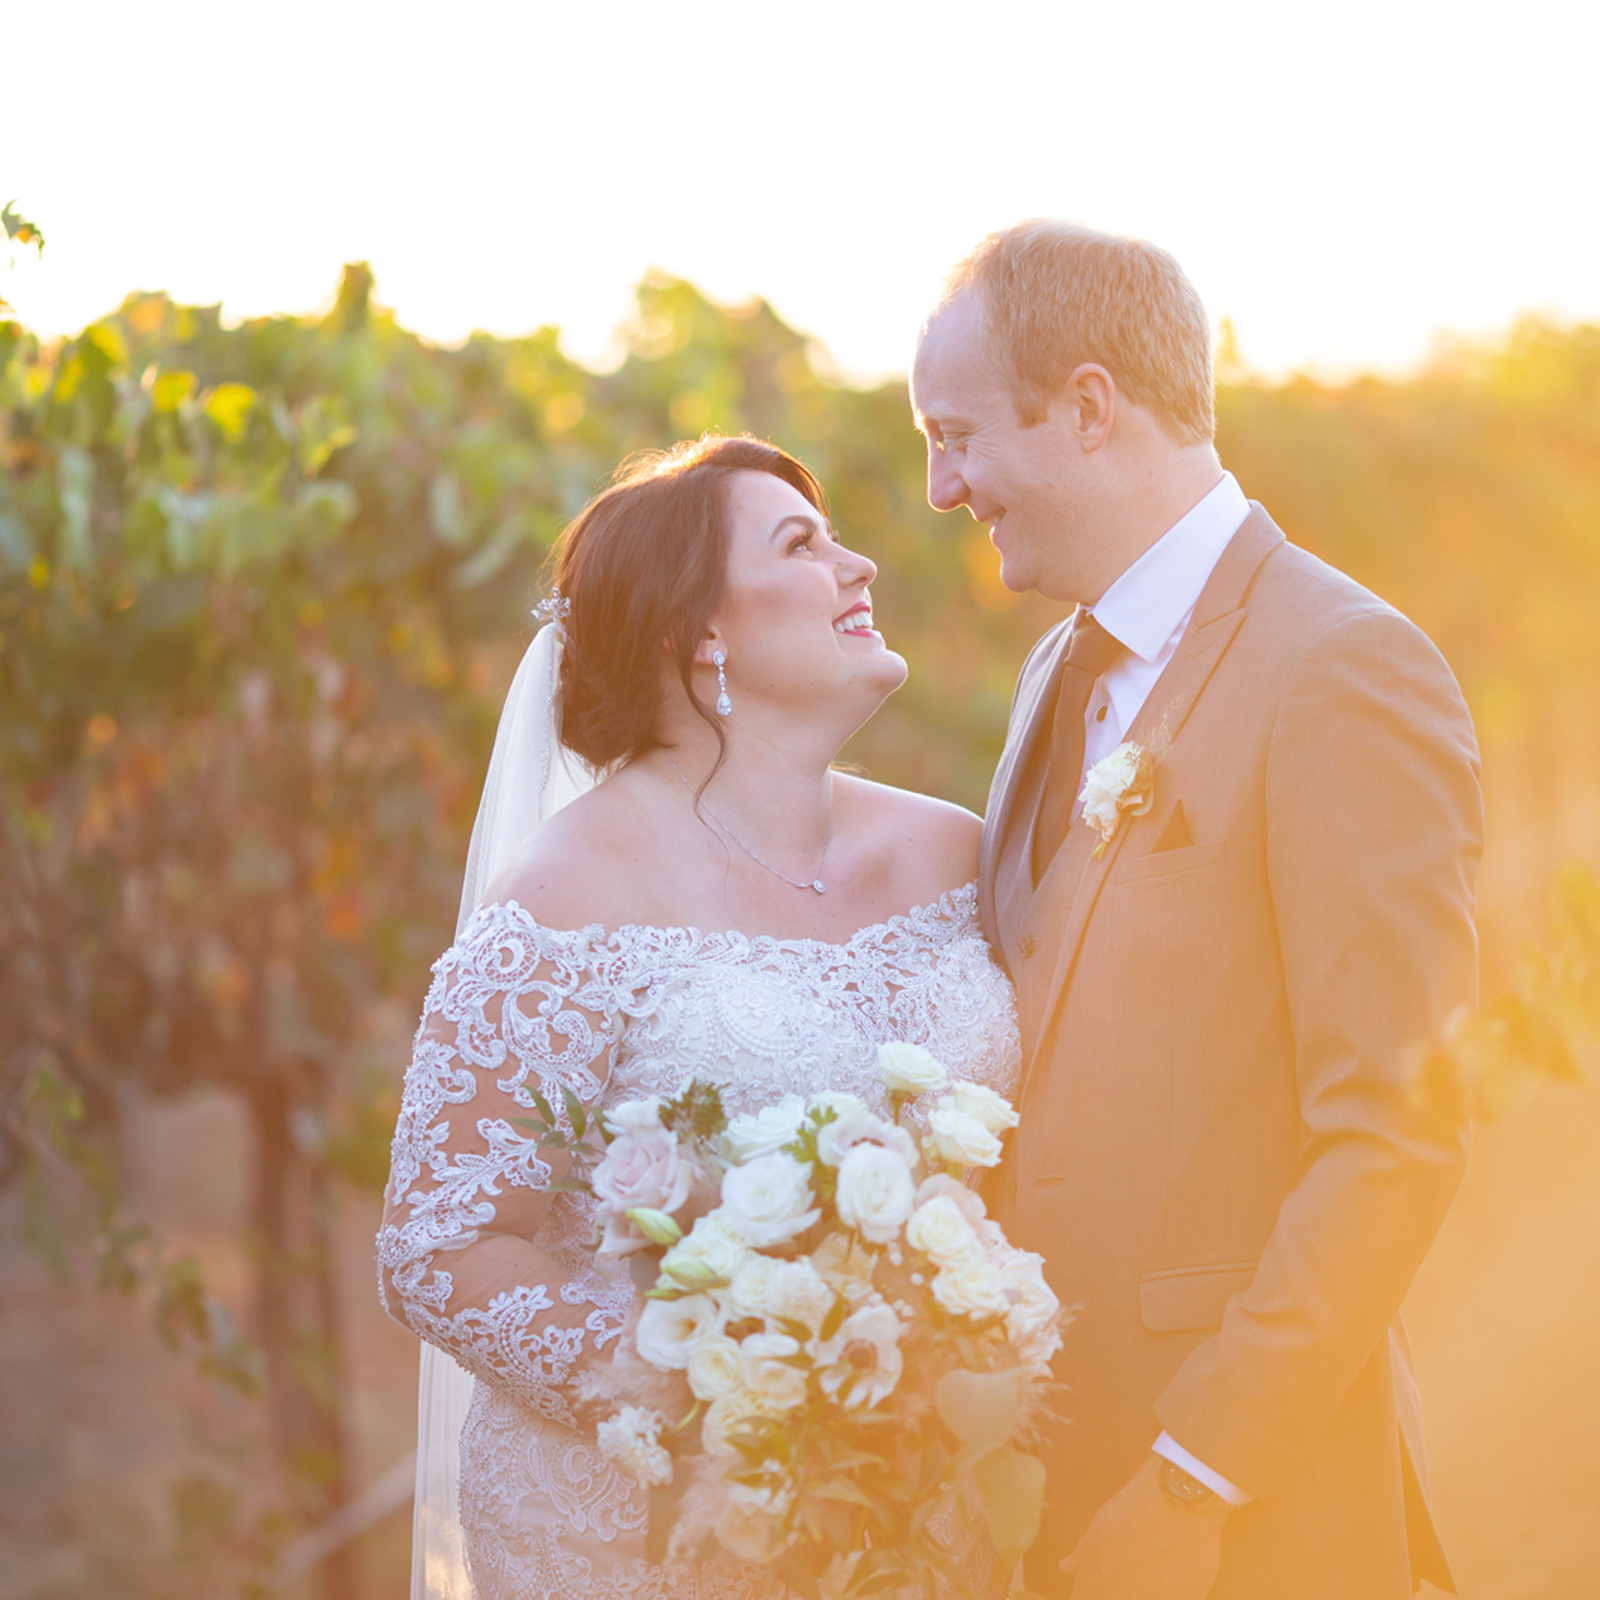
[(513, 1008)]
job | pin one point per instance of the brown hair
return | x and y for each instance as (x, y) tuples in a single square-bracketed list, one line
[(1056, 295), (645, 563)]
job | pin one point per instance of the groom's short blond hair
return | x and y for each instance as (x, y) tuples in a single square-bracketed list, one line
[(1056, 295)]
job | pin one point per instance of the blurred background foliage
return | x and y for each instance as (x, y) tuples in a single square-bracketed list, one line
[(261, 590)]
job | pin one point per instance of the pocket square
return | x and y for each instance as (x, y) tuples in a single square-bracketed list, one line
[(1175, 836)]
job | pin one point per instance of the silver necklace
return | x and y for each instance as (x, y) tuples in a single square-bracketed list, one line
[(816, 883)]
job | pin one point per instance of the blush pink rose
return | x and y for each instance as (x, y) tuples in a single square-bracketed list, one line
[(645, 1169)]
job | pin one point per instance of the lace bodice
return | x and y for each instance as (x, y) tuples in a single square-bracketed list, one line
[(478, 1254)]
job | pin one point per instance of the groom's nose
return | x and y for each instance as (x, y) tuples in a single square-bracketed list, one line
[(947, 489)]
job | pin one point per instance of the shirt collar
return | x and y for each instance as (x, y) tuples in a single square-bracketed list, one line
[(1154, 597)]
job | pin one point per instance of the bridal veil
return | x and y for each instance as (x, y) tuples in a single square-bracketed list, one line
[(531, 776)]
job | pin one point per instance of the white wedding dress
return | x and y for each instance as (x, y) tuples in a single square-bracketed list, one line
[(613, 1017), (481, 1260)]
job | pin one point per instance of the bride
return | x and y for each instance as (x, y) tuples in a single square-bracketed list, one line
[(723, 905)]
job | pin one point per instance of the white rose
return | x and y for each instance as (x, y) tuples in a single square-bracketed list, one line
[(940, 1230), (960, 1139), (968, 1201), (635, 1116), (982, 1104), (970, 1287), (668, 1330), (1033, 1322), (747, 1290), (838, 1101), (771, 1128), (836, 1139), (909, 1069), (714, 1369), (1108, 782), (709, 1256), (769, 1199), (629, 1439), (773, 1384), (643, 1170), (876, 1192), (797, 1292), (724, 1416)]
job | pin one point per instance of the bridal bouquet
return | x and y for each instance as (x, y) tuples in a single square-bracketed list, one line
[(838, 1352)]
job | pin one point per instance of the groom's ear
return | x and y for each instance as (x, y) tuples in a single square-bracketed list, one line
[(1091, 393)]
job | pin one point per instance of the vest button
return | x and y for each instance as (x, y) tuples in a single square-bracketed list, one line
[(1026, 945)]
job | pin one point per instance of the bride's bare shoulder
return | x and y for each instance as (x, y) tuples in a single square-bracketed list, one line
[(581, 866), (931, 844)]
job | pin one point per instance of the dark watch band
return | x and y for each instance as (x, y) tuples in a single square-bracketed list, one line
[(1183, 1488)]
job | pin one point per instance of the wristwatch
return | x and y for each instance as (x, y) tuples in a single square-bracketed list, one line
[(1183, 1488)]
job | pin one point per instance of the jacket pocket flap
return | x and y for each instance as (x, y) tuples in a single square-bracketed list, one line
[(1191, 1297)]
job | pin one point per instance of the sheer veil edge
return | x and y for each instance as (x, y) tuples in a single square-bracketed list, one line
[(531, 776)]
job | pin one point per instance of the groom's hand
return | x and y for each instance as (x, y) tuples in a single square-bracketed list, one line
[(1142, 1545)]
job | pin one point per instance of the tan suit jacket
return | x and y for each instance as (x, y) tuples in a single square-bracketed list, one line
[(1220, 1156)]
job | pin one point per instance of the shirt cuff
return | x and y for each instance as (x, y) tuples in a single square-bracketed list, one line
[(1174, 1452)]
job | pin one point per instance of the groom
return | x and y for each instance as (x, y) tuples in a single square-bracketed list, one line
[(1221, 1156)]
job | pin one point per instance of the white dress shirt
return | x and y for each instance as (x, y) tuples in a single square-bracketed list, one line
[(1147, 611)]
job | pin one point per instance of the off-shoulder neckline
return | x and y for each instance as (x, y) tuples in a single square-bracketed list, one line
[(945, 908)]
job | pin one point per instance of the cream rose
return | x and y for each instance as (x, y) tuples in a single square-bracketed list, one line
[(635, 1116), (708, 1257), (714, 1368), (940, 1230), (1033, 1323), (723, 1417), (971, 1287), (773, 1384), (982, 1104), (769, 1200), (838, 1101), (747, 1291), (668, 1330), (876, 1192), (959, 1139), (909, 1069), (968, 1201), (1122, 782), (769, 1129)]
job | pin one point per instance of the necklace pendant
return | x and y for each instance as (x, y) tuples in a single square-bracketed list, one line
[(819, 886)]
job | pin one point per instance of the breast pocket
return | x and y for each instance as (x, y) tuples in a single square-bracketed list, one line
[(1170, 863)]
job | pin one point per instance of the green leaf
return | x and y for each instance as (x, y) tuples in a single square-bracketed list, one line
[(835, 1317), (979, 1408), (1012, 1486), (575, 1111), (170, 390)]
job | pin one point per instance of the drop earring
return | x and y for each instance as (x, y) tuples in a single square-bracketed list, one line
[(724, 704)]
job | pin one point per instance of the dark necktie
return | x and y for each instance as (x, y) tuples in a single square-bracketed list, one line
[(1090, 653)]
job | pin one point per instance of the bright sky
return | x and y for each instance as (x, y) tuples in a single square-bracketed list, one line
[(1343, 181)]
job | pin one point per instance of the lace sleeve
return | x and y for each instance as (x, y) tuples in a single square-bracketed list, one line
[(512, 1007)]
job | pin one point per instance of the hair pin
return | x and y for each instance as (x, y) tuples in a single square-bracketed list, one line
[(556, 608)]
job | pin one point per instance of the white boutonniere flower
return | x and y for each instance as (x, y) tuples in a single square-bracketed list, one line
[(1123, 785)]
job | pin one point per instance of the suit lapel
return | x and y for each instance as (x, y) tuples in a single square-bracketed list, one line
[(1217, 617)]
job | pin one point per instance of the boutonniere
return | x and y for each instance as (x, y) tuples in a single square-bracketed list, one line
[(1123, 785)]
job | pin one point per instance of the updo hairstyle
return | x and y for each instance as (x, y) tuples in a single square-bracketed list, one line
[(645, 563)]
